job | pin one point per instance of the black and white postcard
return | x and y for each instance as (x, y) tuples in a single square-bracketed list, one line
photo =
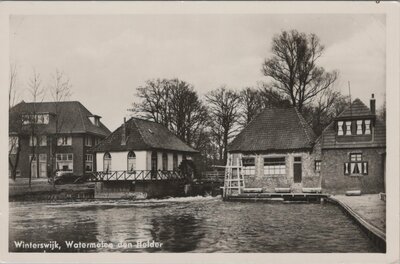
[(215, 130)]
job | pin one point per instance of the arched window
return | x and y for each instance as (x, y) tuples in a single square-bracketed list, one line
[(107, 162), (164, 162), (154, 161), (131, 161)]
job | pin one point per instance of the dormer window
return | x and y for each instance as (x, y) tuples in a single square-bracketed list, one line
[(348, 128), (95, 120), (340, 128)]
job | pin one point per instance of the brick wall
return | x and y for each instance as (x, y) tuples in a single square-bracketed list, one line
[(334, 181), (310, 179)]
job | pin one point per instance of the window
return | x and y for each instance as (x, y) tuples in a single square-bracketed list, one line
[(317, 167), (42, 140), (348, 128), (32, 141), (175, 161), (64, 141), (65, 161), (274, 166), (35, 119), (340, 128), (359, 127), (249, 166), (13, 143), (107, 162), (131, 161), (89, 162), (356, 166), (95, 120), (88, 141), (164, 162), (367, 124)]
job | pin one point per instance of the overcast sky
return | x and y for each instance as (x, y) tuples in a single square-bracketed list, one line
[(107, 57)]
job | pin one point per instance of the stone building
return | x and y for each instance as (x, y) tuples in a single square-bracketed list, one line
[(276, 150), (141, 145), (353, 151), (65, 131)]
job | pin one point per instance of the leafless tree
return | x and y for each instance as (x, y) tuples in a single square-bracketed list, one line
[(382, 112), (37, 94), (15, 121), (251, 104), (12, 91), (60, 90), (223, 105), (293, 67)]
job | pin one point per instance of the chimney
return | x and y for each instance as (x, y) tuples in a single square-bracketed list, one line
[(372, 105), (123, 136)]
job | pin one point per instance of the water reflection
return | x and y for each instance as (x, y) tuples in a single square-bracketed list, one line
[(188, 225)]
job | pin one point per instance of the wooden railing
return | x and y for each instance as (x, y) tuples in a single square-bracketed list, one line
[(138, 175), (213, 176)]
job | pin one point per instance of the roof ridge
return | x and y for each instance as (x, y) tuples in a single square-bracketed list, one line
[(80, 114), (299, 116)]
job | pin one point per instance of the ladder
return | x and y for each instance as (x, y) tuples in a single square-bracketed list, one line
[(234, 180)]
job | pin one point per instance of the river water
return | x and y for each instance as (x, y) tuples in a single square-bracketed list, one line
[(192, 224)]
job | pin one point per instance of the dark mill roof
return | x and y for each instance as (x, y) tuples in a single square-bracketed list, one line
[(143, 135), (74, 117), (274, 129), (357, 108)]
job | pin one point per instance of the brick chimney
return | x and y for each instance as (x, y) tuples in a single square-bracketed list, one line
[(123, 136), (372, 105)]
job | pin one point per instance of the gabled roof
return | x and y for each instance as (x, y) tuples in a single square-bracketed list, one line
[(357, 109), (73, 117), (143, 135), (275, 129)]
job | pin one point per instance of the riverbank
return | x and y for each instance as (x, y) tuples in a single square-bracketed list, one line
[(40, 189), (369, 211)]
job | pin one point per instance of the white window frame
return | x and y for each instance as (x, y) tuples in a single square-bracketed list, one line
[(359, 127), (275, 168), (317, 166), (89, 161), (107, 161), (65, 159), (367, 124), (42, 140), (340, 128), (64, 141), (32, 141), (249, 168), (348, 128), (88, 141), (131, 162)]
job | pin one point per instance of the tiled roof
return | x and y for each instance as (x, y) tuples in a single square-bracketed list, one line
[(357, 108), (275, 129), (143, 135), (74, 117)]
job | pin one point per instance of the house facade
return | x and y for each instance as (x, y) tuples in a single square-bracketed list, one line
[(276, 150), (54, 136), (353, 151), (141, 145)]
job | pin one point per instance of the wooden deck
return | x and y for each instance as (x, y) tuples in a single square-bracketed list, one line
[(309, 197)]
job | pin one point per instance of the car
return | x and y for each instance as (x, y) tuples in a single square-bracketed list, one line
[(64, 177)]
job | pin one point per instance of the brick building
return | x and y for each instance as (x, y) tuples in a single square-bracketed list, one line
[(353, 151), (56, 135), (277, 151)]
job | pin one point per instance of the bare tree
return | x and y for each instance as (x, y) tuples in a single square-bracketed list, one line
[(12, 91), (60, 90), (251, 104), (224, 115), (15, 121), (382, 112), (293, 67), (37, 93)]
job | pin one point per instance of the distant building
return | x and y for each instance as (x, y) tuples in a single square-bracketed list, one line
[(76, 131), (353, 151), (139, 145), (276, 151)]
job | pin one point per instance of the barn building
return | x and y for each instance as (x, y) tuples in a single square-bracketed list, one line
[(141, 145), (275, 151), (353, 151)]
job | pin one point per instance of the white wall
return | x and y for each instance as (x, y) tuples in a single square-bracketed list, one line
[(119, 160)]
